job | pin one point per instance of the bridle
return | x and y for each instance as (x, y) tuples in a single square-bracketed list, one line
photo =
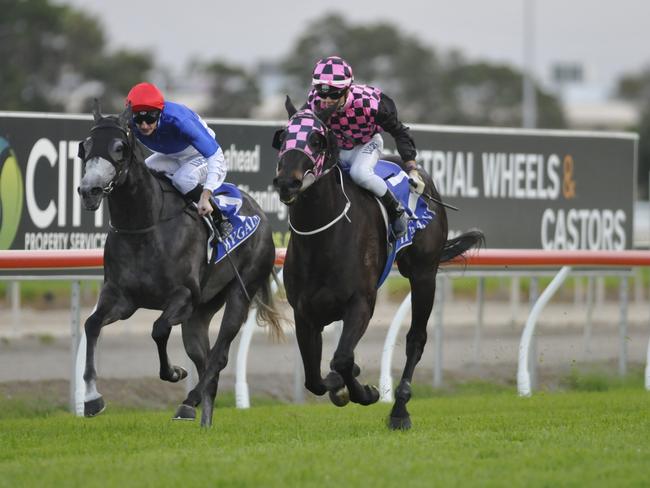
[(292, 142), (121, 170), (317, 171)]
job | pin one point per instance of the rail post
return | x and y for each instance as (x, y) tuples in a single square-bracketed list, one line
[(523, 374)]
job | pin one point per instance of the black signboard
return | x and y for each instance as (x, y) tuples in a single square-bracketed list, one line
[(524, 189)]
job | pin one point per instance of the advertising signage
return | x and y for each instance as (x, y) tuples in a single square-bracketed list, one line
[(535, 189), (524, 189)]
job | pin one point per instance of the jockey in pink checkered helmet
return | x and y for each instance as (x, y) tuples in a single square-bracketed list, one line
[(333, 71), (361, 113)]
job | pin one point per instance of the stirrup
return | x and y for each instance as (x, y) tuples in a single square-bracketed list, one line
[(222, 226), (225, 228), (399, 226)]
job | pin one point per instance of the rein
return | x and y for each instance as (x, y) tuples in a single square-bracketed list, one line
[(331, 223), (144, 230)]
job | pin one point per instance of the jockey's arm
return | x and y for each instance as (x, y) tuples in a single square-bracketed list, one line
[(217, 169), (216, 175), (206, 144), (387, 119)]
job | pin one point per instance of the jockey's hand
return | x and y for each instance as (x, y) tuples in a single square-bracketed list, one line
[(204, 205), (416, 181)]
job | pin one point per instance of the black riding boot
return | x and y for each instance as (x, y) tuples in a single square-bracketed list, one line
[(220, 224), (396, 214)]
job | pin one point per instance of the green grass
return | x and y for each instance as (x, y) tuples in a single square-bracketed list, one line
[(483, 436)]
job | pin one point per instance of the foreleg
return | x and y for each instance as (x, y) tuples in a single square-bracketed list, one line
[(111, 306)]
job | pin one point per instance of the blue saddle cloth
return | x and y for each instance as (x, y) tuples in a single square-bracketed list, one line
[(415, 205), (229, 201)]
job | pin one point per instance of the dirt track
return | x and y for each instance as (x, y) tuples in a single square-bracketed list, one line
[(35, 356)]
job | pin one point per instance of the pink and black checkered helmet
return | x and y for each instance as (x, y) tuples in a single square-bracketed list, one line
[(333, 71)]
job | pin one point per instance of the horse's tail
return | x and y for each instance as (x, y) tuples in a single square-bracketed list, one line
[(459, 245), (267, 311)]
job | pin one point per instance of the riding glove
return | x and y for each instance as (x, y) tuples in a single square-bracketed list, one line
[(416, 181)]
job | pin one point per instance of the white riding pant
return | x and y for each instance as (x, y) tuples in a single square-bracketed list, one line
[(362, 160), (186, 171)]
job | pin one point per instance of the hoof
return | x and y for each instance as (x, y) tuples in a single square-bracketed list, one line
[(184, 412), (372, 395), (94, 407), (399, 423), (179, 374), (340, 397)]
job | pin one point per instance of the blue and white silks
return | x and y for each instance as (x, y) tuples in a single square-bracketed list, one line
[(229, 200)]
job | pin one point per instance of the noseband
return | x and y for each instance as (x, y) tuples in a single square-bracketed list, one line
[(303, 126)]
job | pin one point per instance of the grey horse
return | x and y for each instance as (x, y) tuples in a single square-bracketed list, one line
[(155, 257)]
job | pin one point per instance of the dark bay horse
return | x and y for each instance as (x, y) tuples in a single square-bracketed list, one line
[(336, 255), (155, 257)]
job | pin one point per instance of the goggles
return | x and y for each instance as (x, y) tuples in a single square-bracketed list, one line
[(146, 116), (326, 91)]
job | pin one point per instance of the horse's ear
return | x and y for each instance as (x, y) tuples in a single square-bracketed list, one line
[(97, 113), (325, 115), (125, 116), (291, 108), (278, 139), (81, 151)]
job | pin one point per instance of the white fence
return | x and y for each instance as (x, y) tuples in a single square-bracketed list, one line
[(13, 263)]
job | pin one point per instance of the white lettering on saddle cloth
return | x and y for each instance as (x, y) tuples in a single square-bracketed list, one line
[(243, 227)]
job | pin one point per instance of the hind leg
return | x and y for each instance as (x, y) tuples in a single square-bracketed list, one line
[(179, 309), (197, 346), (112, 306), (423, 289), (237, 307)]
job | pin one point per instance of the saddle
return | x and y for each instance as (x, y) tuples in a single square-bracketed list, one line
[(228, 200), (226, 227), (415, 206)]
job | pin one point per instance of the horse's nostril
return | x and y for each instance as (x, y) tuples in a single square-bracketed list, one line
[(295, 184), (275, 182)]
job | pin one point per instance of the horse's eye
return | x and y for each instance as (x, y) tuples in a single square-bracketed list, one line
[(315, 141), (116, 150)]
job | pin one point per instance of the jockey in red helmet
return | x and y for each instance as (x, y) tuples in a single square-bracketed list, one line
[(184, 148), (362, 113)]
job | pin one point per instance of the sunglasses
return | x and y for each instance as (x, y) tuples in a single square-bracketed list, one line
[(327, 92), (148, 117)]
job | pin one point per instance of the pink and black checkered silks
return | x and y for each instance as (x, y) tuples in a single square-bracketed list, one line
[(355, 124), (332, 71), (300, 126)]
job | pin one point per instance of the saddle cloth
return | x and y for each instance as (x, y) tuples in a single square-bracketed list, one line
[(229, 201), (415, 206)]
